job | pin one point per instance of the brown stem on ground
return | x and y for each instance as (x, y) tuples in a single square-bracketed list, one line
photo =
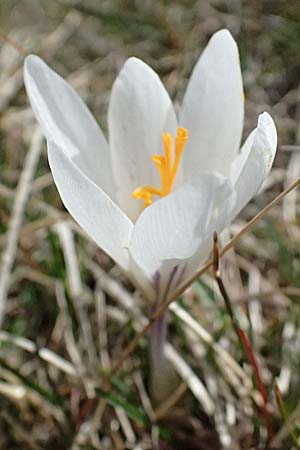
[(243, 338)]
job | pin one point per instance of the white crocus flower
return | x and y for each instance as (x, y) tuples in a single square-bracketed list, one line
[(151, 205)]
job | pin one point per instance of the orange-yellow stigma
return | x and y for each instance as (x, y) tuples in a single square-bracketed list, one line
[(167, 168)]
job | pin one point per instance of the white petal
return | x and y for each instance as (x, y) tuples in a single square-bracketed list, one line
[(95, 212), (180, 226), (66, 120), (239, 161), (256, 166), (140, 111), (213, 108)]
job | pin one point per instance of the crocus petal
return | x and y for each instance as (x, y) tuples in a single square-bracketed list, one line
[(180, 226), (66, 120), (213, 108), (255, 161), (91, 207), (240, 160), (140, 111)]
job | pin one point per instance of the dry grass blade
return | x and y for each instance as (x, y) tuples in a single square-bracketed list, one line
[(44, 353), (13, 43), (50, 45), (21, 432), (102, 329), (224, 356), (190, 378), (13, 391), (71, 346), (165, 408), (72, 264), (23, 192), (126, 425)]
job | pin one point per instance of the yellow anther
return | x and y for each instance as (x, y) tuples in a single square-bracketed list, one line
[(143, 194), (167, 168)]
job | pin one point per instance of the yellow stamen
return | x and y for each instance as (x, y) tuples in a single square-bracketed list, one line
[(166, 168)]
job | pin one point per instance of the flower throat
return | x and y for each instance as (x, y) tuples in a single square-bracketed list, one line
[(166, 166)]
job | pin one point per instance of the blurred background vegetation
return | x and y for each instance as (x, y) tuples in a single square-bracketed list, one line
[(68, 311)]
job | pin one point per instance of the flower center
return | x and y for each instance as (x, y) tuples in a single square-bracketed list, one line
[(166, 166)]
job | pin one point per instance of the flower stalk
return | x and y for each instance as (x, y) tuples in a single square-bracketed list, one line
[(163, 378)]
